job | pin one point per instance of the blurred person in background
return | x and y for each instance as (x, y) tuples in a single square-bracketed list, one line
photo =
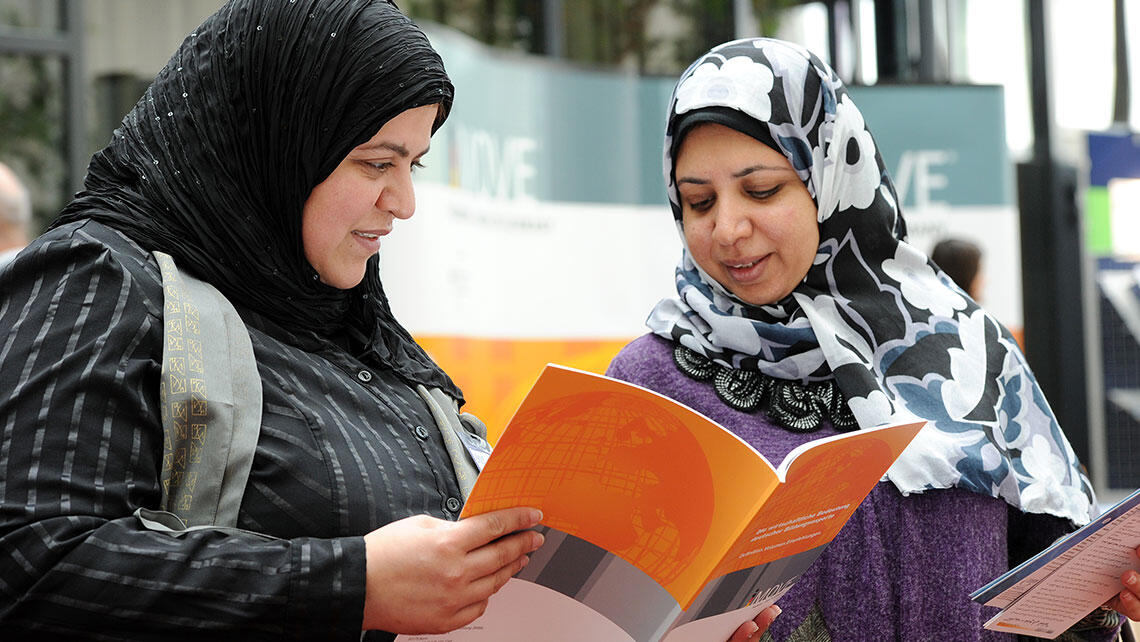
[(15, 215), (802, 312), (961, 260)]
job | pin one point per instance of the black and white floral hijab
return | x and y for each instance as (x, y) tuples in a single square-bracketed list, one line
[(900, 339)]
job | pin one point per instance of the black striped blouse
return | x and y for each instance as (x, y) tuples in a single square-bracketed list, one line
[(340, 453)]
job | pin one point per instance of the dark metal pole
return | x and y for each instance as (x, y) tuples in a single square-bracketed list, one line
[(1039, 83), (833, 34), (743, 20), (890, 40), (37, 45), (857, 42), (1121, 105), (555, 27), (1052, 264), (75, 130), (927, 53)]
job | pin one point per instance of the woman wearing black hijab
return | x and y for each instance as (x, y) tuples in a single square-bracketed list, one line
[(268, 159)]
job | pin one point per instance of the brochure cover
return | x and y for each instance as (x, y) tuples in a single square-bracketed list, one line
[(659, 524)]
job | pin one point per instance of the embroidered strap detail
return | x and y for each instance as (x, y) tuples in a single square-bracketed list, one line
[(210, 393), (791, 405)]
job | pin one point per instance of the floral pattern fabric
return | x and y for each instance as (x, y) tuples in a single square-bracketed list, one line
[(899, 338)]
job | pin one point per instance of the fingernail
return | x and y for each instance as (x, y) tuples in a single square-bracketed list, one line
[(1132, 579), (754, 627), (525, 561), (777, 609), (536, 516)]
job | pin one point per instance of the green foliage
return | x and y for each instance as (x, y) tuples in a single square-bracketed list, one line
[(603, 32), (31, 122), (31, 128), (713, 22), (512, 24)]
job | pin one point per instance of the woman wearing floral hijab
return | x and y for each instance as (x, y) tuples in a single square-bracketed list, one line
[(802, 311), (268, 159)]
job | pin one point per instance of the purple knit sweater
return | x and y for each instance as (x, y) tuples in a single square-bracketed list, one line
[(903, 567)]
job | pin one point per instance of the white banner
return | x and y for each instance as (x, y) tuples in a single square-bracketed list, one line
[(473, 266)]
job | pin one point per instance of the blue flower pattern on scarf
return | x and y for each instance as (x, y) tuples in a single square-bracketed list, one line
[(873, 312)]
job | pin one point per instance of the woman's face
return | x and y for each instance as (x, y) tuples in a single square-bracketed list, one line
[(748, 219), (347, 213)]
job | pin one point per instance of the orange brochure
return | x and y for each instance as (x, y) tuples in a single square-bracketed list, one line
[(659, 523)]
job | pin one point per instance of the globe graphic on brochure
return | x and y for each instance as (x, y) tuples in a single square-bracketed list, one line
[(632, 479)]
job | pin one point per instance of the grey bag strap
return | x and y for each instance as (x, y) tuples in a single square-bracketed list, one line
[(464, 436), (169, 523), (211, 402)]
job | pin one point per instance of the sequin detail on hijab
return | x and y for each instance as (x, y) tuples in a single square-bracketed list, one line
[(215, 162)]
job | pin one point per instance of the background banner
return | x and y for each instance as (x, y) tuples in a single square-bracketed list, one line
[(542, 233)]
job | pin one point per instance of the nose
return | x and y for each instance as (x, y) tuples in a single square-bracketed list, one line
[(398, 196), (730, 224)]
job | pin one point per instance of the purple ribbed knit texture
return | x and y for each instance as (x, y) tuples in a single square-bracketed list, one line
[(901, 569)]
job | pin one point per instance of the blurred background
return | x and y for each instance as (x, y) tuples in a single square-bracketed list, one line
[(542, 232)]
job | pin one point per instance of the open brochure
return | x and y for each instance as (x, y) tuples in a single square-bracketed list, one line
[(659, 524), (1052, 590)]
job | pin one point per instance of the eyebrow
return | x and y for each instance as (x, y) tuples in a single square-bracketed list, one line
[(395, 147), (742, 173)]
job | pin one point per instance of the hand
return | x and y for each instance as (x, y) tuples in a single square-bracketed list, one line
[(754, 628), (1128, 600), (428, 575)]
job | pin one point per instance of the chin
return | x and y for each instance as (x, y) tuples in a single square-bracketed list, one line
[(343, 281), (759, 299)]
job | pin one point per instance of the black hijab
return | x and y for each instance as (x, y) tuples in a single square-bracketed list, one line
[(254, 109)]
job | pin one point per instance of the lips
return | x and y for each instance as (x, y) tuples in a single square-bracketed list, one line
[(369, 239), (745, 270)]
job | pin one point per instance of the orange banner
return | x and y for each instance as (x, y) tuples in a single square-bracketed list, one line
[(495, 374)]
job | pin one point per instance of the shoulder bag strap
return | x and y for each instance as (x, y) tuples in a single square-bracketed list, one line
[(464, 436), (211, 401)]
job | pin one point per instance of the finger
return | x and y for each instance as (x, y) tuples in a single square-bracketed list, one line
[(766, 617), (502, 552), (745, 631), (479, 530), (480, 590), (1128, 604), (756, 625), (1131, 580), (502, 558), (468, 614), (489, 584)]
